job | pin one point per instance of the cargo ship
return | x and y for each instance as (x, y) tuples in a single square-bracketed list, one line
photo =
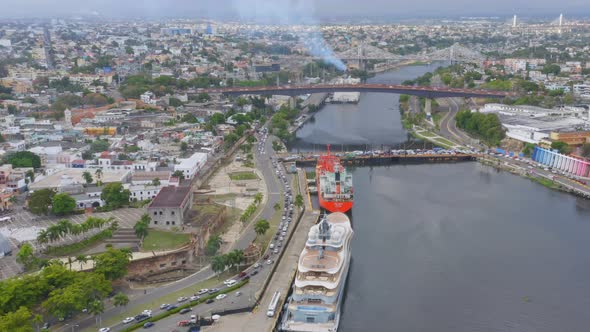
[(318, 289), (334, 184)]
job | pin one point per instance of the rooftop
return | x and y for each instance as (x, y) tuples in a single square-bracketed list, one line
[(170, 197)]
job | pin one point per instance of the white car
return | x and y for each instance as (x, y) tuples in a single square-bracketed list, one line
[(147, 312), (220, 296), (104, 329), (164, 306), (181, 299), (194, 298), (128, 320), (202, 291), (229, 281)]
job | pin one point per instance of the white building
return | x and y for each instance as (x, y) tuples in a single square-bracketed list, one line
[(143, 192), (191, 166), (148, 97)]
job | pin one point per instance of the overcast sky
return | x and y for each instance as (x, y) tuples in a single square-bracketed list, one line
[(316, 8)]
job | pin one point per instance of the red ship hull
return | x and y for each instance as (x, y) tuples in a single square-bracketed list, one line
[(335, 206)]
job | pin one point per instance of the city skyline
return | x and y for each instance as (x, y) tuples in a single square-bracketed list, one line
[(258, 10)]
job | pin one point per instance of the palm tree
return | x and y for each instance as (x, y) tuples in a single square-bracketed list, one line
[(261, 227), (96, 308), (237, 257), (120, 300), (53, 233), (87, 177), (64, 226), (38, 319), (141, 229), (258, 198), (81, 259), (218, 264), (70, 262), (277, 206), (98, 174), (299, 201), (43, 236)]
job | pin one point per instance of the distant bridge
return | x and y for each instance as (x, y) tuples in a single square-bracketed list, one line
[(389, 159), (421, 91)]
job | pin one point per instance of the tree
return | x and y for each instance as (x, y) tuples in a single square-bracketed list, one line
[(277, 206), (156, 182), (178, 174), (23, 159), (26, 256), (114, 195), (218, 264), (586, 150), (87, 177), (261, 227), (120, 300), (17, 321), (236, 258), (552, 68), (43, 236), (63, 204), (30, 174), (189, 118), (258, 198), (40, 201), (81, 259), (38, 319), (562, 147), (98, 174), (528, 149), (183, 146), (128, 49), (299, 201), (112, 263), (96, 308), (141, 226), (213, 244)]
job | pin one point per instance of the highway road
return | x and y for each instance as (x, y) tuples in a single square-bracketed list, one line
[(448, 127)]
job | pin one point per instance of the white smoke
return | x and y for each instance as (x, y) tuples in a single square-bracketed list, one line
[(291, 12)]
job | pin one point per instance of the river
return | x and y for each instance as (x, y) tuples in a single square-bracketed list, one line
[(453, 247)]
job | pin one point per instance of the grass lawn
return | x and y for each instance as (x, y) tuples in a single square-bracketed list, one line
[(162, 240), (427, 134), (445, 141), (237, 176), (168, 298)]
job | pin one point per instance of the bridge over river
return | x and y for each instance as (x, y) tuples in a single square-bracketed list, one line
[(387, 159)]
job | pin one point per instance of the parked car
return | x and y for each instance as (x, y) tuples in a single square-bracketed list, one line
[(213, 290), (128, 320), (242, 274), (182, 299), (220, 296), (148, 325), (184, 311), (104, 329), (171, 307), (209, 301), (141, 317), (164, 306), (202, 291), (194, 297)]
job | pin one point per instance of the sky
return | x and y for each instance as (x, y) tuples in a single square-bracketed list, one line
[(317, 9)]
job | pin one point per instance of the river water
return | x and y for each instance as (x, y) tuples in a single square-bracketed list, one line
[(454, 247)]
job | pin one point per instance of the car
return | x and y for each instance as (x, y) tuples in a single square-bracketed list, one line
[(202, 291), (148, 325), (46, 326), (128, 320), (213, 290), (147, 312), (242, 274), (184, 311), (164, 306), (276, 251), (283, 233), (268, 262), (210, 301), (238, 293), (271, 246), (104, 329), (194, 298), (257, 265), (255, 272), (182, 299), (171, 307), (266, 256), (220, 296), (141, 317), (231, 283)]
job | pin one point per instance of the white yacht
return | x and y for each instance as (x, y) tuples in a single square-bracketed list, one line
[(323, 266)]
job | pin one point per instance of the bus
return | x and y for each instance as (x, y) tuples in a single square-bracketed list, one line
[(272, 307)]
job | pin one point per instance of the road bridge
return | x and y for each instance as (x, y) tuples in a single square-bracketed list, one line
[(389, 159), (296, 90)]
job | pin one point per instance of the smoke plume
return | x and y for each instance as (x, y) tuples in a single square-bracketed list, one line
[(291, 12)]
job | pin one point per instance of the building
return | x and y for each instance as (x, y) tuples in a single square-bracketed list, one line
[(191, 166), (571, 137), (5, 246), (170, 206)]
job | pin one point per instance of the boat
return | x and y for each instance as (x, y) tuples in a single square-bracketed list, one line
[(334, 183), (322, 270)]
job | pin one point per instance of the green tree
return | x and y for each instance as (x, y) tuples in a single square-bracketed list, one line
[(258, 198), (141, 227), (87, 177), (552, 68), (236, 258), (156, 182), (40, 201), (299, 201), (528, 149), (114, 195), (218, 264), (189, 118), (213, 244), (562, 147), (174, 102), (23, 159), (120, 300), (128, 49), (96, 308), (183, 146), (81, 259), (277, 206), (261, 227), (63, 204), (18, 321), (26, 257), (178, 174), (112, 263), (98, 174)]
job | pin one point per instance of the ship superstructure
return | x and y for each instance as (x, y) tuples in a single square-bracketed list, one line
[(334, 183)]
